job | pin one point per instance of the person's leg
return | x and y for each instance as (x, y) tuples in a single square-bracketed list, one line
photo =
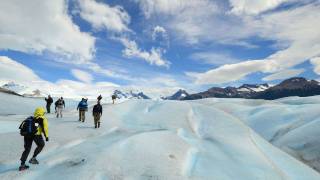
[(95, 120), (60, 111), (40, 144), (27, 148), (82, 116), (99, 116), (48, 108)]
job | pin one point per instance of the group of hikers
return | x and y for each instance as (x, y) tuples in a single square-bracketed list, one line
[(59, 105), (33, 127)]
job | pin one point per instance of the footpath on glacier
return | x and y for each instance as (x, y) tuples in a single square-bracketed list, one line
[(145, 139)]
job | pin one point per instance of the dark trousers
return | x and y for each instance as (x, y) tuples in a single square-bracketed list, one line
[(48, 108), (28, 144)]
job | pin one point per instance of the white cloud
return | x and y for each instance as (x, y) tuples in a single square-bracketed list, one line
[(23, 75), (106, 72), (230, 72), (159, 31), (10, 69), (37, 26), (198, 21), (214, 58), (82, 75), (254, 6), (285, 74), (154, 57), (296, 28), (316, 63), (102, 15)]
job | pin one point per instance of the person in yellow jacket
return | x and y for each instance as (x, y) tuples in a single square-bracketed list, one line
[(41, 123)]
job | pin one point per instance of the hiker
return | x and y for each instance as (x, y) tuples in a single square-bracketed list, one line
[(97, 113), (113, 98), (49, 101), (82, 108), (59, 105), (32, 129)]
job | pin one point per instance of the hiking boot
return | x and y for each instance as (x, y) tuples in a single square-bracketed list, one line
[(33, 161), (98, 124), (95, 126), (23, 167)]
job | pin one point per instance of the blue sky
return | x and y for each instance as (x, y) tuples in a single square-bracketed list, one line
[(160, 44)]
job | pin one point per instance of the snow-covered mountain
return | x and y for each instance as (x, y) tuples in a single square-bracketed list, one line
[(23, 90), (180, 94), (130, 95), (196, 140), (244, 91), (291, 87), (253, 87), (12, 86)]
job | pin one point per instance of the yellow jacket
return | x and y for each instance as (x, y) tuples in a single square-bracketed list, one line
[(39, 113)]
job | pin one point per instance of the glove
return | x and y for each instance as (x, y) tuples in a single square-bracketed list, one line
[(47, 139)]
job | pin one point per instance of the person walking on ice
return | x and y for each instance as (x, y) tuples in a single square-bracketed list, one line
[(97, 113), (82, 108), (49, 101), (32, 129), (114, 97), (60, 104)]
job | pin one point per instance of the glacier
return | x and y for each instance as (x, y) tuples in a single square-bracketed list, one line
[(150, 139)]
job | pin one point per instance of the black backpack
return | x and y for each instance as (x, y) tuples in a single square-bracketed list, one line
[(28, 127)]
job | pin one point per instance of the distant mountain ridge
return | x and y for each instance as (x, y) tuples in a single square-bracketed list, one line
[(130, 95), (179, 95), (17, 89), (296, 86)]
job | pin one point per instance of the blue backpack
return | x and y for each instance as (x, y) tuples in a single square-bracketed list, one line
[(28, 127), (83, 105)]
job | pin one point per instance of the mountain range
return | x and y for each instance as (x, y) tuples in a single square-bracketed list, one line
[(296, 86), (130, 95), (20, 90), (179, 95)]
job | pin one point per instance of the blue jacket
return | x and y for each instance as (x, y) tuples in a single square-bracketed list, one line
[(83, 105)]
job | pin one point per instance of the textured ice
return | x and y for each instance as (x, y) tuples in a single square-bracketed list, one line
[(145, 139)]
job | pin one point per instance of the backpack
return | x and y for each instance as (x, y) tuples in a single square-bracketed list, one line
[(60, 102), (83, 104), (28, 127)]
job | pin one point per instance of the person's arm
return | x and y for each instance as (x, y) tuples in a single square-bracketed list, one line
[(45, 128)]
